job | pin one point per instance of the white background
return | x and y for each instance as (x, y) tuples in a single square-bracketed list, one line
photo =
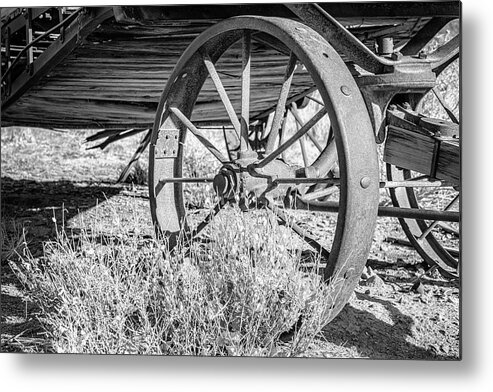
[(473, 373)]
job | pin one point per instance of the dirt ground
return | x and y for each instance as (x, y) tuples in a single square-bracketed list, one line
[(49, 177)]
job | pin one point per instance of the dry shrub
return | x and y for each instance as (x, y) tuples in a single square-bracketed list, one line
[(238, 293)]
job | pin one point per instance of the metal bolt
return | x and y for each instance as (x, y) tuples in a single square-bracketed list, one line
[(345, 90), (365, 182), (396, 56)]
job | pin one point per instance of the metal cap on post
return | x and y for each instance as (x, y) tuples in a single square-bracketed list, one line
[(385, 45)]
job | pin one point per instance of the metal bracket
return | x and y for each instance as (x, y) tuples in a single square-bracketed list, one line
[(168, 143), (411, 78)]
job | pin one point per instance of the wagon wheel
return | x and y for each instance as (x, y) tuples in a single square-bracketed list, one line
[(226, 54), (436, 242)]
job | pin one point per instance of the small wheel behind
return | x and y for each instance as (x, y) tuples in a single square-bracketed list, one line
[(436, 242)]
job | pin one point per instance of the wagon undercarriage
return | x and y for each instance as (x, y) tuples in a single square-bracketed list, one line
[(231, 76)]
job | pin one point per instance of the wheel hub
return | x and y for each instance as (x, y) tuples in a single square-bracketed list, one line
[(244, 180), (226, 182)]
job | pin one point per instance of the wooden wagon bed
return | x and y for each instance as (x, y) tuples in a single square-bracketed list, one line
[(113, 74)]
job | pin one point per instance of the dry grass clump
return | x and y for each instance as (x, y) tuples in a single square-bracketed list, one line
[(12, 240), (239, 293)]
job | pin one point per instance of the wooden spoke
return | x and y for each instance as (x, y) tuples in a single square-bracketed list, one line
[(294, 98), (191, 234), (289, 222), (135, 158), (419, 178), (315, 100), (245, 91), (449, 229), (445, 106), (304, 153), (435, 223), (304, 129), (297, 117), (199, 135), (267, 40), (232, 143), (318, 194), (281, 103), (282, 135), (222, 93)]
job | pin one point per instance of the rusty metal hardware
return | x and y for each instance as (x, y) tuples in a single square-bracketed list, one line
[(392, 212), (168, 143)]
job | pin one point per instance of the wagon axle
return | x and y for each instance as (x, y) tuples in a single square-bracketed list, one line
[(244, 180)]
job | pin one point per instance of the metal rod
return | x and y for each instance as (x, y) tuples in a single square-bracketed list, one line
[(198, 134), (186, 180), (382, 184), (391, 212), (328, 181)]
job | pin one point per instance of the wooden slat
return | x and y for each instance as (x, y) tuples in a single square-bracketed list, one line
[(448, 162), (429, 155)]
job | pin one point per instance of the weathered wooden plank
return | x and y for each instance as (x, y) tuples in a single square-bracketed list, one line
[(448, 162), (434, 156)]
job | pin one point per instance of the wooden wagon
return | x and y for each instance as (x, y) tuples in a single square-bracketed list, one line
[(229, 76)]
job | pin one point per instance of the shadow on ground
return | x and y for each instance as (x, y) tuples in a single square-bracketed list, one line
[(38, 208), (374, 338)]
